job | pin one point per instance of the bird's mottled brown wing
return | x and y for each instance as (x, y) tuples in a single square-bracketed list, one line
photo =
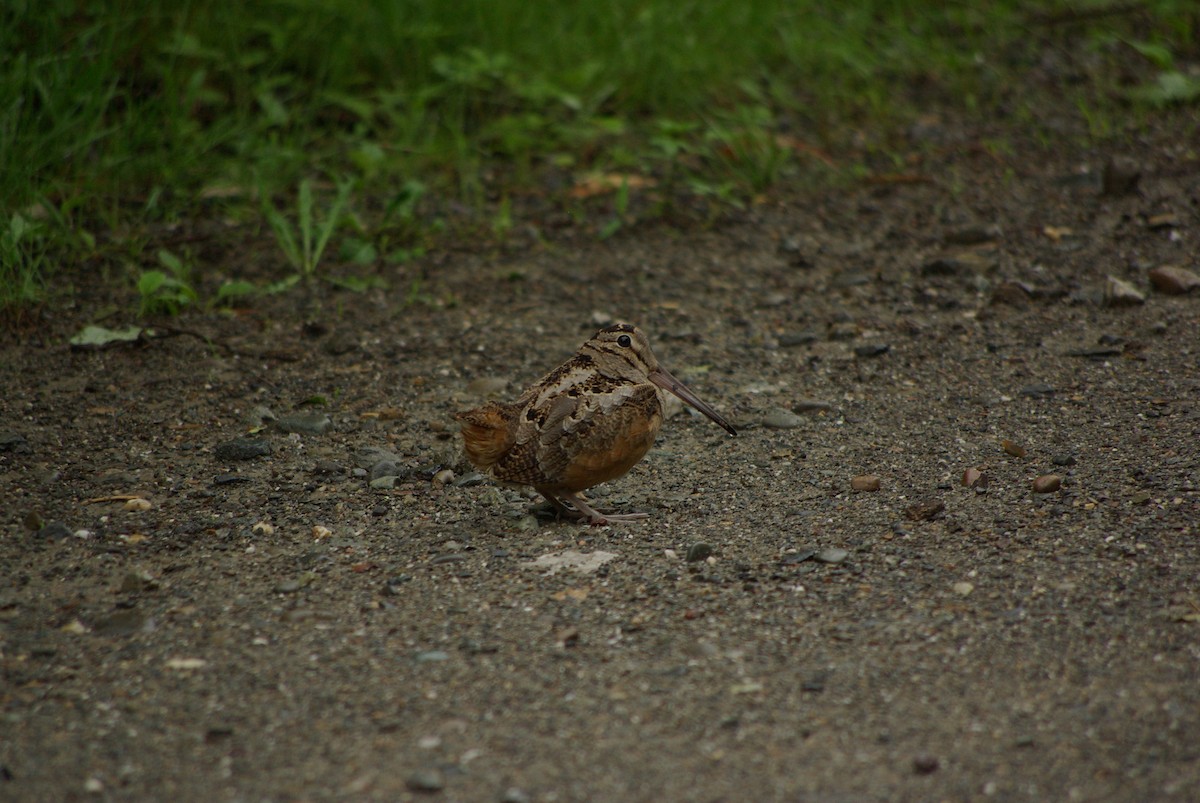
[(573, 441)]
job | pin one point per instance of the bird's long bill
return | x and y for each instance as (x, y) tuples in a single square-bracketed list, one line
[(662, 378)]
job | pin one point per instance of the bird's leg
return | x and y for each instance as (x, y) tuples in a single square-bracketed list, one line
[(595, 517), (562, 511)]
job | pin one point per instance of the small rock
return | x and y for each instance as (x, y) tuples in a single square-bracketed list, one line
[(263, 528), (443, 477), (1120, 293), (305, 423), (432, 657), (865, 482), (789, 339), (1120, 177), (925, 510), (832, 555), (136, 582), (1097, 352), (469, 479), (242, 449), (261, 415), (973, 478), (13, 442), (872, 350), (846, 279), (1166, 220), (973, 234), (137, 504), (811, 406), (33, 521), (1173, 280), (515, 795), (320, 531), (368, 456), (1038, 391), (963, 588), (797, 556), (1011, 448), (1063, 459), (56, 530), (1141, 498), (779, 418), (1047, 483), (384, 468), (331, 467), (925, 764), (120, 623), (428, 780), (1014, 294), (843, 330), (698, 552), (296, 583), (487, 385), (962, 262)]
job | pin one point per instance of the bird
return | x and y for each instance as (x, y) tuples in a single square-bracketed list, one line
[(588, 421)]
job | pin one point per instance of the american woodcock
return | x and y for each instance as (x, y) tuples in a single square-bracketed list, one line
[(588, 421)]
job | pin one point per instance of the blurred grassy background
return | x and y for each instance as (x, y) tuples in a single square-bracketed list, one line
[(119, 116)]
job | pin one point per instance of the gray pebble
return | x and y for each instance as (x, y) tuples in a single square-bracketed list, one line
[(384, 468), (832, 555), (844, 330), (242, 449), (798, 556), (432, 656), (973, 234), (56, 530), (487, 385), (368, 456), (872, 349), (13, 442), (1063, 459), (789, 339), (120, 623), (427, 780), (305, 423), (384, 483), (811, 406), (1120, 293), (698, 551), (779, 418), (469, 479), (261, 415), (958, 263), (1038, 391)]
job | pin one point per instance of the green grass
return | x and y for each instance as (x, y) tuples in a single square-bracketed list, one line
[(120, 117)]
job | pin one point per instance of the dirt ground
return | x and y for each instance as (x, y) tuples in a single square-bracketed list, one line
[(284, 622)]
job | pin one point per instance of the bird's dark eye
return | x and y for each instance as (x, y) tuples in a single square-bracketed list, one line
[(624, 341)]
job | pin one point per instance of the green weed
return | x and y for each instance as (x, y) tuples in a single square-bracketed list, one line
[(303, 243), (22, 258), (165, 292)]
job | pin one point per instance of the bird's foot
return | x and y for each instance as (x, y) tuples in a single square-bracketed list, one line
[(595, 517)]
